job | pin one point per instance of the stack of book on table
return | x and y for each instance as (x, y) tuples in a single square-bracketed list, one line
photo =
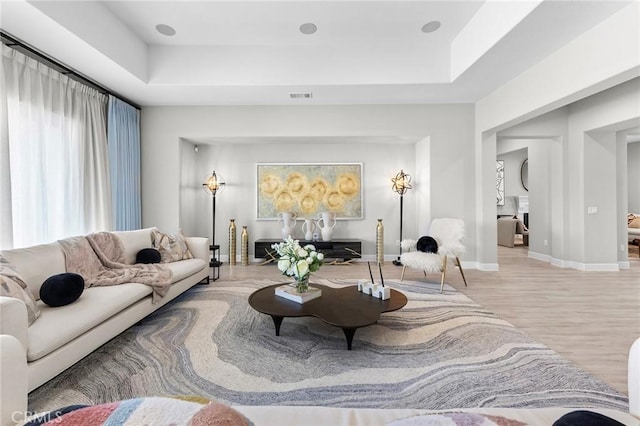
[(289, 292)]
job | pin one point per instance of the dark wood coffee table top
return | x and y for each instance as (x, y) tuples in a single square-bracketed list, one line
[(343, 307)]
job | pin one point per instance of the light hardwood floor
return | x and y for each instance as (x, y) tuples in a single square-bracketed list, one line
[(590, 318)]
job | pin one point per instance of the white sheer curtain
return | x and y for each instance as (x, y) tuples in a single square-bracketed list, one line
[(53, 155)]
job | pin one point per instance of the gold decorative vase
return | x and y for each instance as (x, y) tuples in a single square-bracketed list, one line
[(245, 246), (232, 242), (380, 242)]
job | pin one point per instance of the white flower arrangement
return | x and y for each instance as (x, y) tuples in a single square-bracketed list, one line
[(297, 261)]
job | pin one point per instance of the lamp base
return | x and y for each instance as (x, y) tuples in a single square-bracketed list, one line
[(397, 262)]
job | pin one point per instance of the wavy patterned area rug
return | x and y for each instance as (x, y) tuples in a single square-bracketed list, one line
[(438, 352)]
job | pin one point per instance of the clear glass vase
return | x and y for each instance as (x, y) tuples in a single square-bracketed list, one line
[(302, 285)]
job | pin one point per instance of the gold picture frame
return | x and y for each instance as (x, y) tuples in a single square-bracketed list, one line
[(308, 189)]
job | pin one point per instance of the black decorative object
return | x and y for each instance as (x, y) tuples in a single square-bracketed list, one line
[(427, 245), (62, 289), (148, 255), (524, 174)]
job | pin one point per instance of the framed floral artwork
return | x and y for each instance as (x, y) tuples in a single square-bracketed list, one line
[(308, 189)]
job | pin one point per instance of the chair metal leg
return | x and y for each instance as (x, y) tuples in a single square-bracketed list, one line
[(402, 276), (444, 272), (461, 271)]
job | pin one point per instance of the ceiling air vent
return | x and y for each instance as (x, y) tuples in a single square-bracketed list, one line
[(302, 95)]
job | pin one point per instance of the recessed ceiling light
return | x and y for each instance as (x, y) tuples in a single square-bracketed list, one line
[(308, 28), (430, 27), (165, 29)]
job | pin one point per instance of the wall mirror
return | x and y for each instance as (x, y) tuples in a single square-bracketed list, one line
[(524, 174)]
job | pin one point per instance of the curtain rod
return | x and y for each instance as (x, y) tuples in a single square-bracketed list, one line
[(36, 54)]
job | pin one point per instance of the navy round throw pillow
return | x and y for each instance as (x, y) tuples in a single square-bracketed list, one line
[(148, 255), (427, 245), (61, 289)]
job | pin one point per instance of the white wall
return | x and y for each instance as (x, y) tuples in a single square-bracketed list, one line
[(446, 166), (237, 163), (542, 136), (573, 166), (422, 186), (460, 164), (593, 124), (633, 177), (606, 55), (190, 190), (603, 57), (513, 160)]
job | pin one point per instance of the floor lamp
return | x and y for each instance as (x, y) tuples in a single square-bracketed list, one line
[(214, 184), (401, 184)]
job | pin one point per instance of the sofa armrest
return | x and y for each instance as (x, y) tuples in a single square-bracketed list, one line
[(13, 381), (14, 319), (199, 247), (506, 231), (634, 379)]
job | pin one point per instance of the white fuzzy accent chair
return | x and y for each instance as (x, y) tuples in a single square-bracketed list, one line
[(449, 233)]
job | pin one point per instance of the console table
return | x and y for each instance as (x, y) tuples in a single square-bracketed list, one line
[(345, 249)]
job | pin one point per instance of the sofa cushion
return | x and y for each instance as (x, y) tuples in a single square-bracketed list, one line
[(454, 419), (427, 244), (12, 285), (58, 326), (61, 289), (185, 268), (133, 242), (48, 257), (148, 411), (172, 247), (586, 418)]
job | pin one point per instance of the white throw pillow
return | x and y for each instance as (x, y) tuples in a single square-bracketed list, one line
[(172, 247), (12, 285)]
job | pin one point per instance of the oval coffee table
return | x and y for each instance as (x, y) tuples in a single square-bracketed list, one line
[(343, 307)]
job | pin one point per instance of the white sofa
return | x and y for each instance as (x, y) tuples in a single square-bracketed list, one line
[(62, 336)]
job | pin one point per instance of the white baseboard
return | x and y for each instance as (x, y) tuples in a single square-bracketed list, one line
[(539, 256), (580, 266), (624, 265), (601, 267), (560, 263), (485, 267)]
